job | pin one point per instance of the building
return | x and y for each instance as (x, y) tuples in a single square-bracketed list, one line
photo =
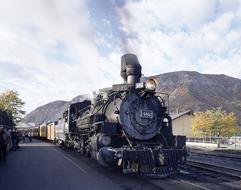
[(6, 120), (181, 123), (23, 125)]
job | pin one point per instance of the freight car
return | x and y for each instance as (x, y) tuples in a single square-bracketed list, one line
[(127, 125)]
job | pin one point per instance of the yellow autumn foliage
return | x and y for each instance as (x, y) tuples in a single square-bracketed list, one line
[(214, 122), (12, 104)]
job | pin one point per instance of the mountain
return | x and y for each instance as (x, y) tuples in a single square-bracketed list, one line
[(188, 90), (51, 111), (48, 112), (191, 90)]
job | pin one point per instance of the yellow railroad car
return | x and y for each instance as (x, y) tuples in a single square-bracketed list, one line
[(43, 131), (51, 131), (35, 131)]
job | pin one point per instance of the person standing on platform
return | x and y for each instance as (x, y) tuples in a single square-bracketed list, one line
[(14, 139), (23, 136), (8, 139), (4, 142), (30, 136), (1, 145), (18, 136)]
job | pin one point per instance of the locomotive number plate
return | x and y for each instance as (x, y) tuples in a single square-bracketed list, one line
[(147, 114)]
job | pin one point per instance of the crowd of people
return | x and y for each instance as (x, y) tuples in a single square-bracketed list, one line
[(10, 139)]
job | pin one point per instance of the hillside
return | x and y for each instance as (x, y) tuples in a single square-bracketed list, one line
[(192, 90), (51, 111), (187, 90), (48, 112)]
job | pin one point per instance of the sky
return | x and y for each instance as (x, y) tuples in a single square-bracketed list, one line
[(58, 49)]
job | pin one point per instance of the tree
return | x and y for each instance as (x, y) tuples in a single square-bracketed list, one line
[(202, 123), (229, 127), (12, 104), (214, 122), (217, 115)]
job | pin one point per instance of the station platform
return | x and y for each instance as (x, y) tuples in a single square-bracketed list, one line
[(43, 166)]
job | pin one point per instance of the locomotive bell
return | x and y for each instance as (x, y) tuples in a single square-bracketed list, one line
[(130, 69)]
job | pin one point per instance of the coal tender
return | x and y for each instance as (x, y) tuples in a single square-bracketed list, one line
[(128, 125)]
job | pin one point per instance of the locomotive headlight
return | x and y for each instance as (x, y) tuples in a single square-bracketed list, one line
[(105, 140), (150, 85)]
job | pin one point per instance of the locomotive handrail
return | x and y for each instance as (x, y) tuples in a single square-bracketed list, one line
[(94, 110), (164, 93), (92, 104)]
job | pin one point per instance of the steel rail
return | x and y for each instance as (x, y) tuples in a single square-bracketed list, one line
[(218, 154), (215, 168)]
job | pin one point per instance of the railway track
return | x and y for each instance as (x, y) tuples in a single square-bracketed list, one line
[(218, 154), (188, 181), (236, 173)]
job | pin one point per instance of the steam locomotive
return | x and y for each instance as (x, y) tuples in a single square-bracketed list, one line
[(126, 125)]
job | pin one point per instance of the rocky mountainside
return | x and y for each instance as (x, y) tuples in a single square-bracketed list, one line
[(195, 91), (51, 111), (48, 112), (188, 90)]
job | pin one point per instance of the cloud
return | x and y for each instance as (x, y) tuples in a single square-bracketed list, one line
[(47, 51), (58, 49), (199, 35)]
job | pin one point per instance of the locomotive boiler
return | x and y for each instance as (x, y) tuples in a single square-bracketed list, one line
[(128, 125)]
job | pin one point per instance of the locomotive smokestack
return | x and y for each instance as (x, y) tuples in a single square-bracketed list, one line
[(130, 69)]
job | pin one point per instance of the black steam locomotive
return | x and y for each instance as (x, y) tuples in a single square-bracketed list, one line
[(127, 125)]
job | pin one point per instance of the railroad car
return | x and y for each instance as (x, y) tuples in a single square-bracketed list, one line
[(43, 131), (61, 130), (127, 125), (35, 131), (51, 130)]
